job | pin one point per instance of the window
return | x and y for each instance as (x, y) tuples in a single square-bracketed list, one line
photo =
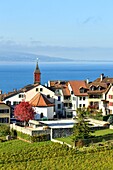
[(21, 95), (110, 103), (83, 105), (71, 92), (74, 98), (48, 96), (59, 106), (41, 89), (65, 104), (80, 98), (84, 98), (59, 98), (4, 110), (4, 120), (80, 105), (36, 89), (110, 96), (15, 103)]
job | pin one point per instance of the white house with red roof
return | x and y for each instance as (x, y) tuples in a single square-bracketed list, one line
[(42, 107), (79, 96)]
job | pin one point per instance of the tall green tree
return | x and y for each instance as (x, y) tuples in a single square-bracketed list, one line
[(81, 128)]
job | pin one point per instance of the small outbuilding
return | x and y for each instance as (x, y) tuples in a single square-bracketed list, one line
[(42, 106)]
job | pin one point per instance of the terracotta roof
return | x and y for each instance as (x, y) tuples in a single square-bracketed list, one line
[(103, 86), (66, 91), (105, 80), (76, 85), (58, 83), (40, 100), (97, 84)]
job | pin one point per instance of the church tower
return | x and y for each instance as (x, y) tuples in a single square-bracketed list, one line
[(37, 74)]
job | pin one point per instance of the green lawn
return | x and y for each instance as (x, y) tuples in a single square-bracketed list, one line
[(103, 132), (18, 155), (96, 133)]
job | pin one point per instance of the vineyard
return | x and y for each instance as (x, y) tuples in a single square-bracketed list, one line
[(18, 155)]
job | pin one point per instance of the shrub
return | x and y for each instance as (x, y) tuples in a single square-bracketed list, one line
[(13, 133), (4, 130), (40, 138)]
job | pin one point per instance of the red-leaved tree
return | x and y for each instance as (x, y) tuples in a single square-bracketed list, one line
[(24, 112)]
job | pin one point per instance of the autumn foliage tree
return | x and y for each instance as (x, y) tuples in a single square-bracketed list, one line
[(24, 112)]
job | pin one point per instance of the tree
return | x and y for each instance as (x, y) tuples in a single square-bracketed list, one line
[(81, 129), (24, 112)]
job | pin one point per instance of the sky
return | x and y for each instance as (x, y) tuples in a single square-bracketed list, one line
[(77, 29)]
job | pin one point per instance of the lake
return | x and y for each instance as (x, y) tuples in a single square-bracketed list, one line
[(16, 76)]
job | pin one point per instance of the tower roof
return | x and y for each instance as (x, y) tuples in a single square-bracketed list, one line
[(39, 100), (37, 70)]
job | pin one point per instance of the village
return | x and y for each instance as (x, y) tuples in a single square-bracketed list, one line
[(56, 103), (60, 99)]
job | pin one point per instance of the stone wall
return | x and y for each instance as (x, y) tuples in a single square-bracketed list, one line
[(61, 132)]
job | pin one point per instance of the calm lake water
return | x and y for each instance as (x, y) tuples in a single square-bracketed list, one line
[(18, 75)]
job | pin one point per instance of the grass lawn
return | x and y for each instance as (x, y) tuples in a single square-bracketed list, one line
[(96, 133), (103, 132), (66, 139)]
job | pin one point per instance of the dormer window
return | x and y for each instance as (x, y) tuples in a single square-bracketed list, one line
[(82, 90), (99, 88), (92, 88), (71, 92)]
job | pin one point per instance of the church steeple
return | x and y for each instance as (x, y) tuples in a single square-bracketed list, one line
[(37, 74)]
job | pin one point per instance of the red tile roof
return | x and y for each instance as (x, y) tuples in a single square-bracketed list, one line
[(66, 91), (40, 100), (76, 85)]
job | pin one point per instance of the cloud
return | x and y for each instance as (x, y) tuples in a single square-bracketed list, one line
[(92, 19), (89, 19)]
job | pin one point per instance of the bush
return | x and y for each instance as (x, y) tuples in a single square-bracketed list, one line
[(40, 138), (13, 133), (105, 118), (4, 130)]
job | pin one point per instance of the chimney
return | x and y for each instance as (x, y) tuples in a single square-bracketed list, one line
[(101, 77), (0, 91), (87, 81)]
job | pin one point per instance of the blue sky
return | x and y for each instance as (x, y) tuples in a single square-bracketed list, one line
[(79, 29)]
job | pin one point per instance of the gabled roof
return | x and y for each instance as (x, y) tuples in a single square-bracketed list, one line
[(66, 91), (40, 100), (105, 80), (103, 86), (58, 83), (22, 90), (76, 85)]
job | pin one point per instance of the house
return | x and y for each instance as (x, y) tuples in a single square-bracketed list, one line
[(109, 100), (42, 107), (96, 94), (63, 104), (79, 96), (4, 113)]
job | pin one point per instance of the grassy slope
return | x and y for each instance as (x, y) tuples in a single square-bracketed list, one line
[(19, 155)]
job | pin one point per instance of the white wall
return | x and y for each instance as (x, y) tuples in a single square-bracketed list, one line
[(48, 112), (15, 98), (31, 93)]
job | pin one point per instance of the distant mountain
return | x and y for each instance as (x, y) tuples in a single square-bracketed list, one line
[(28, 57)]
